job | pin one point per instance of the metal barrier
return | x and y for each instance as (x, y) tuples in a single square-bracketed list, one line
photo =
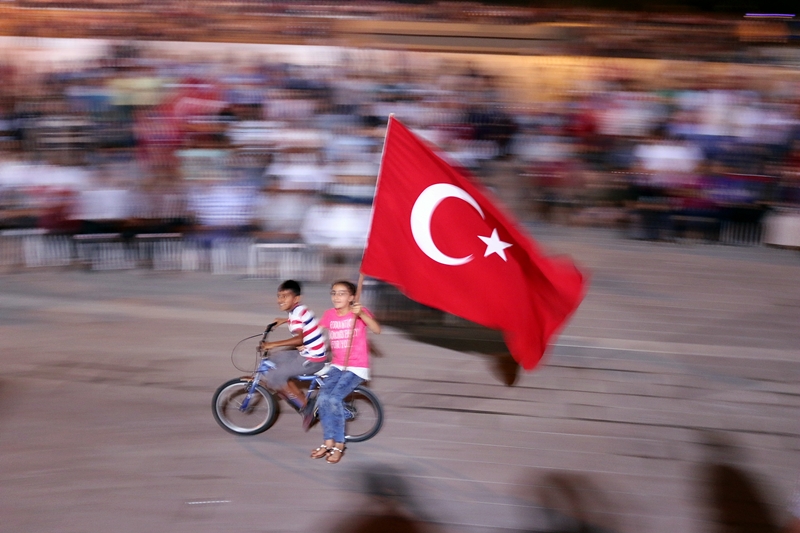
[(303, 262), (284, 261), (51, 251), (11, 249), (231, 256), (219, 256), (741, 233), (34, 248), (104, 251), (160, 251)]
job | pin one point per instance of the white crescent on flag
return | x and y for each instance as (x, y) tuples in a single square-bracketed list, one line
[(421, 214)]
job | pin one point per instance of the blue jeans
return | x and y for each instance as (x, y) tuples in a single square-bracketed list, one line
[(335, 387)]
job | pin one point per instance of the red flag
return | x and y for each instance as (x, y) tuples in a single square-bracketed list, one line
[(437, 236)]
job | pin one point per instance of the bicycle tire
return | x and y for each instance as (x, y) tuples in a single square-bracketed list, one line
[(259, 416), (368, 415)]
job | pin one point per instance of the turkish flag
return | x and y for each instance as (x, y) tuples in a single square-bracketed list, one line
[(437, 236)]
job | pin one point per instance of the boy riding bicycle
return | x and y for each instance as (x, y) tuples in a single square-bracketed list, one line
[(301, 354)]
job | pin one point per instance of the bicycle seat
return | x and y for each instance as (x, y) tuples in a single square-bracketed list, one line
[(323, 371)]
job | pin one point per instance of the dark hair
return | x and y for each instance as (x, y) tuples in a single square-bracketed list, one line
[(291, 285), (350, 287)]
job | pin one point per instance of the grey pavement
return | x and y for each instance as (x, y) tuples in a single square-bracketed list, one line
[(668, 403)]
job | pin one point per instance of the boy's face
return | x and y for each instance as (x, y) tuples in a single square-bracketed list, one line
[(287, 300)]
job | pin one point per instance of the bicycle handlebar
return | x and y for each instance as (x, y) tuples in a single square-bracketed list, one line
[(270, 327)]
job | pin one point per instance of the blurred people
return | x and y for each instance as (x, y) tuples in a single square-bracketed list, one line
[(57, 217), (178, 121)]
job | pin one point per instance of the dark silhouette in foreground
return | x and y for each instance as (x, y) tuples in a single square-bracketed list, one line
[(389, 506), (736, 503)]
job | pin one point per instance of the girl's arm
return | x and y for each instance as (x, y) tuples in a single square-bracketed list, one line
[(371, 323)]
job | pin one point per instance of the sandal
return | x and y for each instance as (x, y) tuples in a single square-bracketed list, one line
[(333, 457), (320, 451)]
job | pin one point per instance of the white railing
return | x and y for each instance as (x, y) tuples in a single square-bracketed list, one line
[(160, 251), (104, 251), (285, 261), (741, 233), (36, 248)]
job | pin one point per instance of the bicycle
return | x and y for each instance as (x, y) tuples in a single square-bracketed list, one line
[(244, 406)]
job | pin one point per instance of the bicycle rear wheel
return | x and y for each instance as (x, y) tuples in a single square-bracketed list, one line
[(363, 415), (257, 417)]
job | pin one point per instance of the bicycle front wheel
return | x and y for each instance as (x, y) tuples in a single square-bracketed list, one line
[(240, 414), (363, 415)]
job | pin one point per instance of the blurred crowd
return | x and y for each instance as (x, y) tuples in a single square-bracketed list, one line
[(135, 144), (669, 162), (140, 142)]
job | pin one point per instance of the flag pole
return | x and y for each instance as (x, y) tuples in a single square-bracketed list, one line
[(360, 275), (377, 184)]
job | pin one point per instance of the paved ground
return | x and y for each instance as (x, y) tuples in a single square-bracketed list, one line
[(668, 404)]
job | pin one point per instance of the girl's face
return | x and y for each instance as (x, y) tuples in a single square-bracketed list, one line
[(341, 297)]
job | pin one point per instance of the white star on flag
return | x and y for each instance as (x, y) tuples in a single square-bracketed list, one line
[(494, 245)]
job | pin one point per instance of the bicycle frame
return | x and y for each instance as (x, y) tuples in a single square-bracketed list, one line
[(315, 381), (246, 406)]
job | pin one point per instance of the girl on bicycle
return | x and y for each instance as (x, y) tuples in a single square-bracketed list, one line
[(347, 323)]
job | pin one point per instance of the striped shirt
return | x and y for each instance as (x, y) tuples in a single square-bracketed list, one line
[(303, 322)]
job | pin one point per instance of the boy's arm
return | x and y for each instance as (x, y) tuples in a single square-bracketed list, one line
[(291, 342)]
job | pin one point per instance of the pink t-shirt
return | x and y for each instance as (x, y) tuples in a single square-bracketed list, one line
[(339, 336)]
